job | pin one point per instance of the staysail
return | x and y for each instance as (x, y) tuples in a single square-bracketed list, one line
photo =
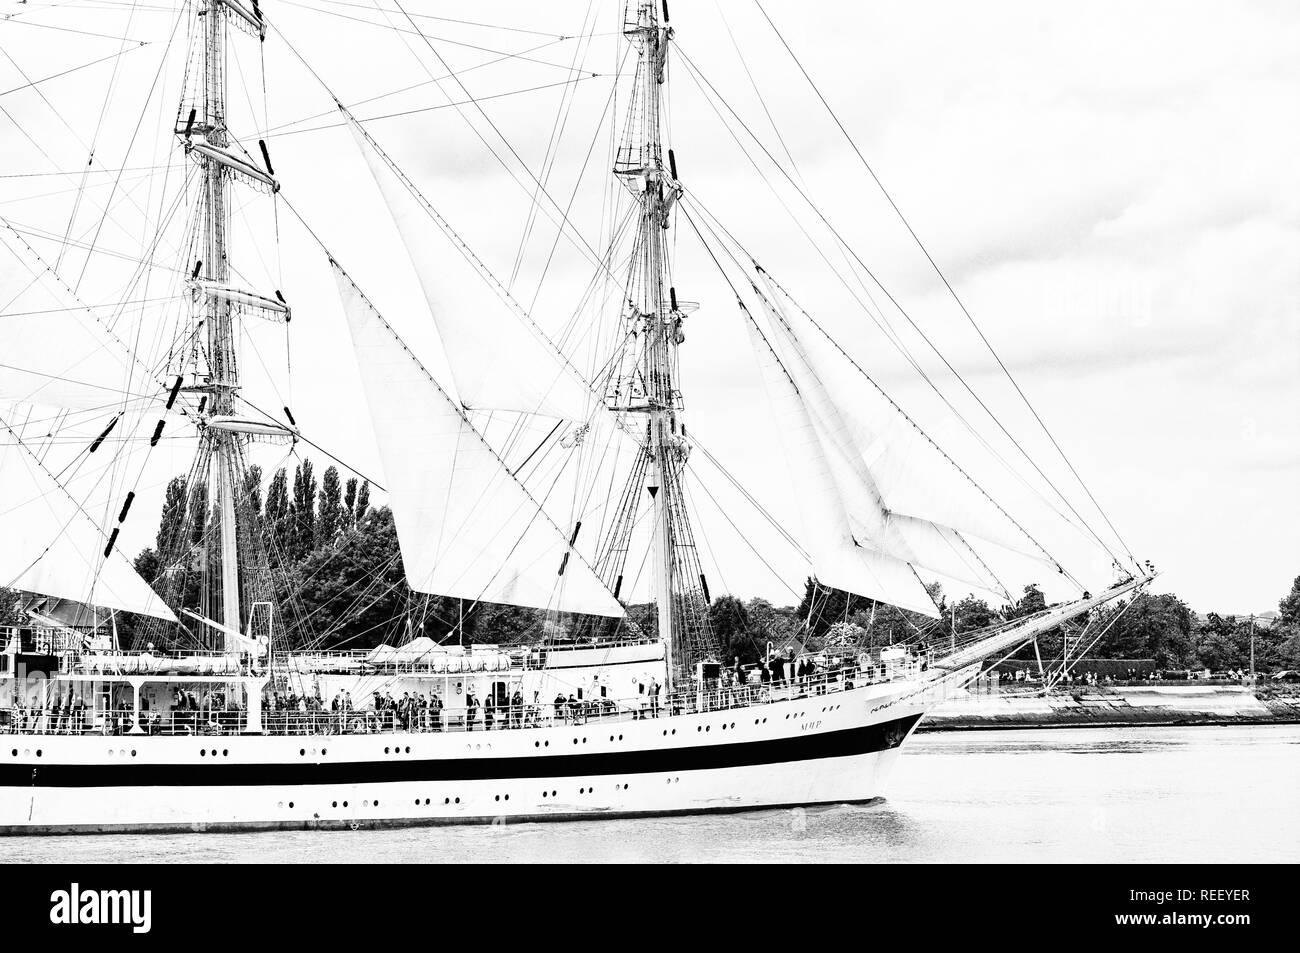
[(466, 526), (838, 558), (50, 546), (499, 358), (89, 368), (872, 520), (909, 472)]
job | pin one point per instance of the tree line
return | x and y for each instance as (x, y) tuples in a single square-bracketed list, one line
[(338, 574)]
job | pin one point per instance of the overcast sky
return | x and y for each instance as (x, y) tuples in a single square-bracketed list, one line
[(1112, 189)]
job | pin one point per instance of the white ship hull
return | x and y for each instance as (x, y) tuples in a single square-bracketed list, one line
[(837, 747)]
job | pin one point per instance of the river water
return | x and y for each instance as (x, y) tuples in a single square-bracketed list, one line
[(1196, 794)]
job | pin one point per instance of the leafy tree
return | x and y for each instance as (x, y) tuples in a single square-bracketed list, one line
[(302, 512), (329, 509), (356, 594), (363, 501), (349, 515), (198, 513), (173, 514), (729, 620), (276, 520), (823, 606), (1156, 627)]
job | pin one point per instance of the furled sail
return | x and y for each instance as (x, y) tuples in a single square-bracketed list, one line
[(499, 358), (50, 546), (909, 474), (467, 527), (838, 558)]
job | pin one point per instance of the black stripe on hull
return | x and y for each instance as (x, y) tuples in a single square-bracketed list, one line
[(831, 744)]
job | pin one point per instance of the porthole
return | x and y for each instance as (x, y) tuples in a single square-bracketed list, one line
[(446, 800), (279, 804), (408, 750), (302, 751), (15, 752), (537, 744), (133, 752), (323, 752), (582, 790), (345, 803), (546, 744), (706, 727), (376, 804), (291, 803), (575, 741), (385, 750), (545, 793), (552, 794), (620, 737), (38, 752), (335, 804), (498, 797), (426, 801), (624, 787), (457, 800), (699, 727), (733, 724), (203, 752), (225, 753), (417, 802), (110, 752)]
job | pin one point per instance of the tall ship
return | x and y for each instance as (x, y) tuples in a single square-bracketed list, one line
[(542, 469)]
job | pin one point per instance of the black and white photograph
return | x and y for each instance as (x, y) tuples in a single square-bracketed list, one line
[(651, 432)]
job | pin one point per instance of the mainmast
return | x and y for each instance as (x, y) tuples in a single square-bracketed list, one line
[(223, 372), (648, 384), (217, 475)]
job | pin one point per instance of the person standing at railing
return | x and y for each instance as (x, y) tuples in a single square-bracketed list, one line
[(471, 709), (489, 710), (517, 708), (652, 690)]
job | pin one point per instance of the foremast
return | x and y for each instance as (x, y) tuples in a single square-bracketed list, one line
[(648, 385)]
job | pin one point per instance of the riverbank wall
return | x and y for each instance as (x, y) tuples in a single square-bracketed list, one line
[(981, 707)]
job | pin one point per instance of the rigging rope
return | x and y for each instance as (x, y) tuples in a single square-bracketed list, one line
[(944, 278)]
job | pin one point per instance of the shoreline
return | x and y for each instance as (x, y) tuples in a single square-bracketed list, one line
[(1145, 706)]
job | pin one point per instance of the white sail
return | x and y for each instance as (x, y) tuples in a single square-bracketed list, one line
[(499, 358), (838, 558), (910, 474), (467, 527), (918, 542), (57, 353), (50, 546)]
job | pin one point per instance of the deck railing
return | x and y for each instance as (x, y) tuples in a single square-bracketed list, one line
[(430, 718)]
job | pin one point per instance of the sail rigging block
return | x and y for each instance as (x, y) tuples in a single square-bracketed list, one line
[(466, 526)]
